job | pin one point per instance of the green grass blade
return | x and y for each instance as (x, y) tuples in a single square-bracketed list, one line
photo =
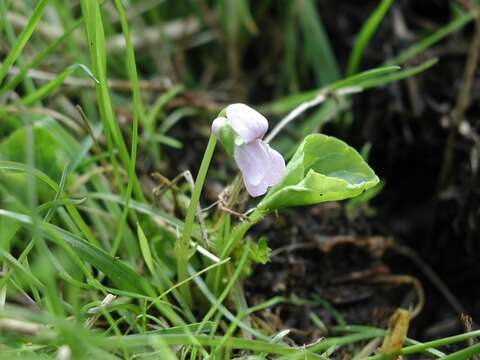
[(23, 38), (257, 346), (239, 268), (467, 353), (138, 116), (14, 166), (381, 332), (37, 59), (145, 248), (12, 38), (122, 275), (415, 70), (225, 312), (26, 273), (183, 244), (162, 100), (97, 47), (288, 103), (54, 84), (317, 45), (413, 349), (156, 214), (357, 79), (432, 39), (366, 33)]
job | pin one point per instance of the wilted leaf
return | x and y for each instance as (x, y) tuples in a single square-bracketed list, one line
[(396, 332)]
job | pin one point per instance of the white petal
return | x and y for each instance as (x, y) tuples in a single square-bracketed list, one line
[(247, 122), (251, 159), (261, 166), (256, 190), (217, 124), (276, 169)]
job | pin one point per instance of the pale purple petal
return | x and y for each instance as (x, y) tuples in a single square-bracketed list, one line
[(217, 124), (248, 123), (251, 159), (261, 166), (255, 190), (276, 169)]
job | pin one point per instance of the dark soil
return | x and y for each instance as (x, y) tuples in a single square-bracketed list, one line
[(321, 253), (349, 266)]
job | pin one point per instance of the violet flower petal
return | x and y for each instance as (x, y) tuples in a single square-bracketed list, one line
[(276, 166), (248, 123), (251, 158), (261, 166)]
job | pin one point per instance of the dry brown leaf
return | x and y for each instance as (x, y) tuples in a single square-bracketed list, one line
[(396, 332)]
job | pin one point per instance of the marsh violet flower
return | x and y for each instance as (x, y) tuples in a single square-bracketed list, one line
[(260, 165)]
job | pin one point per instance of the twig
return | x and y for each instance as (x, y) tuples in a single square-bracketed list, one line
[(175, 29), (406, 279), (135, 10), (462, 102), (21, 326), (432, 276), (45, 29), (115, 84), (65, 120), (223, 201), (320, 98), (368, 349), (201, 99)]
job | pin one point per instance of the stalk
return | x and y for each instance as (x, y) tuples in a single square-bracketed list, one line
[(183, 246), (236, 236)]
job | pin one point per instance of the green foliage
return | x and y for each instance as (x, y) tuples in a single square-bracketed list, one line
[(227, 137), (322, 169), (366, 33), (360, 202), (317, 45), (50, 160), (145, 248), (55, 83), (260, 252), (98, 252), (23, 38), (430, 40)]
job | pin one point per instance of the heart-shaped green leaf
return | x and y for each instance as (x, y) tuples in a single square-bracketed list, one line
[(322, 169)]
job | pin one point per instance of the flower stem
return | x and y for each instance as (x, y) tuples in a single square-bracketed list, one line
[(183, 246)]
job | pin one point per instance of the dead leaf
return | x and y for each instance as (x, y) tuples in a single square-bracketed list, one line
[(396, 332)]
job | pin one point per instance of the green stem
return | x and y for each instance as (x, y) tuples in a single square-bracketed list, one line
[(183, 247), (237, 234), (466, 353), (427, 345), (114, 342)]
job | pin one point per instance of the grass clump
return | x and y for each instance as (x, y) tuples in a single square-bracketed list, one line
[(100, 258)]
